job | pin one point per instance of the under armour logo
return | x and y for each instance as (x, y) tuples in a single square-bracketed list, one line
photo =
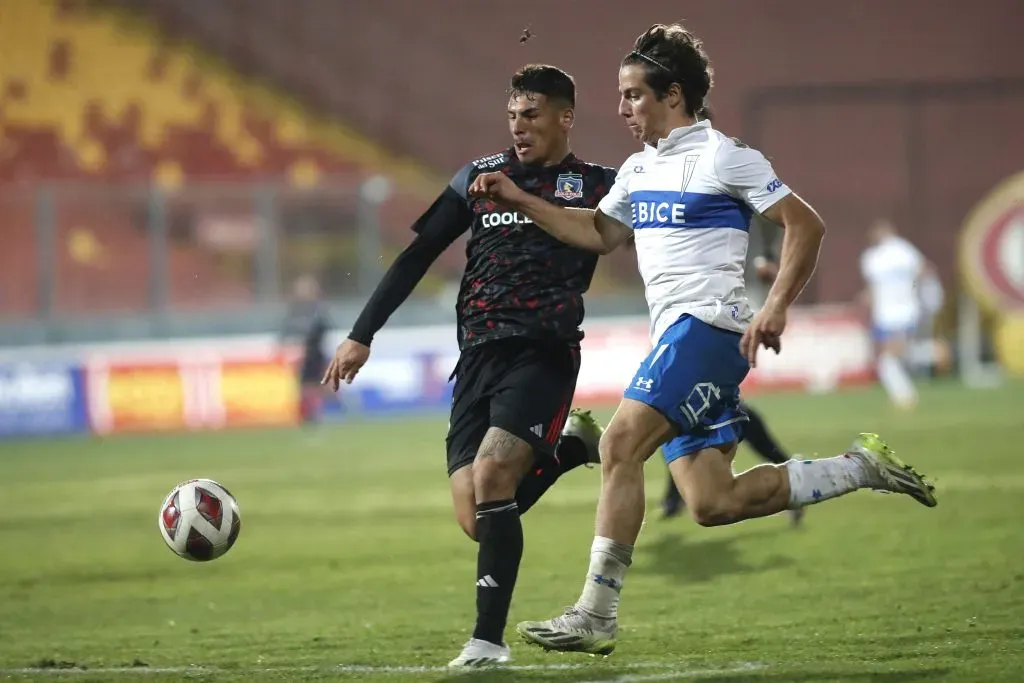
[(644, 384)]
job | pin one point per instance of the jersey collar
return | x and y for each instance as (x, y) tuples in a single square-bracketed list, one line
[(569, 159), (677, 138)]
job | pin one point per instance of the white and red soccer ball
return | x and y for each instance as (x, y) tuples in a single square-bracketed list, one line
[(199, 520)]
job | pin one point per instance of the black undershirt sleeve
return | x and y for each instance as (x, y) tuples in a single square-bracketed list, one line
[(447, 218)]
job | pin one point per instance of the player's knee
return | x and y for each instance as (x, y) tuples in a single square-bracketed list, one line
[(495, 478), (500, 463), (617, 448), (714, 510)]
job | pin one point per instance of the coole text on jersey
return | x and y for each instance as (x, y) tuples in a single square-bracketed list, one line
[(493, 220), (520, 281)]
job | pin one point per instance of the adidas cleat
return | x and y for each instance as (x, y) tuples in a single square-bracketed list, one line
[(892, 474), (480, 653), (585, 427), (572, 631)]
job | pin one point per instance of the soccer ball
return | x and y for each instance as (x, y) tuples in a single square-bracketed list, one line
[(199, 520)]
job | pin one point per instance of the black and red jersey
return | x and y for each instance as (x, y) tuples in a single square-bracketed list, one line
[(519, 281)]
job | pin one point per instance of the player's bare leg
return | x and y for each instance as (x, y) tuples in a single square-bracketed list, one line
[(632, 436), (757, 437), (714, 496), (893, 373), (501, 462), (578, 446), (464, 499)]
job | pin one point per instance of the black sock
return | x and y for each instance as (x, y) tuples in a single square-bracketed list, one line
[(500, 536), (672, 495), (538, 480), (570, 452), (761, 441)]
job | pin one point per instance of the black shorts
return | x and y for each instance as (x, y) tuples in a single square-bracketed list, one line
[(522, 386)]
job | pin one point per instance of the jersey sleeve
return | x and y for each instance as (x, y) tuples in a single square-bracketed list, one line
[(460, 182), (616, 203), (748, 176), (446, 219)]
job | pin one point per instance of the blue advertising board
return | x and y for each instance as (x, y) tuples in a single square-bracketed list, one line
[(42, 398), (395, 384)]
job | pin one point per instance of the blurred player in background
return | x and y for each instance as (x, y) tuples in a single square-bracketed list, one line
[(520, 308), (893, 270), (929, 352), (688, 198), (306, 323)]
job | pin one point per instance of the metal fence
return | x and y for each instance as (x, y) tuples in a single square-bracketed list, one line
[(86, 261)]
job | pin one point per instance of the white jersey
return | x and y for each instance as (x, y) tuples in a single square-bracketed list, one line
[(689, 202), (891, 269)]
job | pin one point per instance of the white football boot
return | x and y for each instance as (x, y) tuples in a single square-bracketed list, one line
[(572, 631), (477, 653)]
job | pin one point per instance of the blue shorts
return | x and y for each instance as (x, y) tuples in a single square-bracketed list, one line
[(693, 377), (884, 334)]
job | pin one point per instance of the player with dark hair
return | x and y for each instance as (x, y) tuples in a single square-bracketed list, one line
[(520, 307), (688, 198)]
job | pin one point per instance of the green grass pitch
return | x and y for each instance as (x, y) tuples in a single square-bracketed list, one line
[(350, 565)]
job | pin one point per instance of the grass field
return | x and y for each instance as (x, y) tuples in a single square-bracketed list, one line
[(350, 566)]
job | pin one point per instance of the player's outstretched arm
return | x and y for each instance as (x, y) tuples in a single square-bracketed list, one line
[(801, 242), (584, 228), (435, 230)]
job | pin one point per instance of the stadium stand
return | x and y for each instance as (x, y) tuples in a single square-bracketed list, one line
[(93, 97)]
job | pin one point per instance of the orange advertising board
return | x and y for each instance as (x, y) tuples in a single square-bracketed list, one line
[(144, 397), (258, 393), (205, 391)]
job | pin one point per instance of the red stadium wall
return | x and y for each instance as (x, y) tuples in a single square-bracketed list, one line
[(431, 85), (87, 94)]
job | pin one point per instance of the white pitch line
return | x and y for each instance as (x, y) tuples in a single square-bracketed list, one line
[(660, 671), (677, 674)]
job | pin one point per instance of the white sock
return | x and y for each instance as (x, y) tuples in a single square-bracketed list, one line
[(609, 561), (812, 481), (895, 379)]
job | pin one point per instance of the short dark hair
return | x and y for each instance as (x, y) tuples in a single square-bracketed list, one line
[(544, 79), (671, 54)]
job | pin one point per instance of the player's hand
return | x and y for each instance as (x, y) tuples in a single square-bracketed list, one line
[(765, 330), (350, 357), (495, 186)]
